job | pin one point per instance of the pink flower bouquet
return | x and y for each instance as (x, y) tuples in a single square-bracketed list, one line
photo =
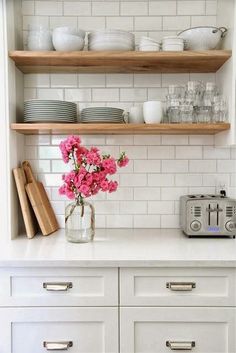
[(90, 170)]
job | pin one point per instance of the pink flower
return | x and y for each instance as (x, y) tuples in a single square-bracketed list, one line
[(112, 186), (84, 189), (123, 162), (109, 165), (104, 185)]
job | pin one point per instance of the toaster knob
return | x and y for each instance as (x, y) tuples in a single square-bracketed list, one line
[(195, 226), (230, 226)]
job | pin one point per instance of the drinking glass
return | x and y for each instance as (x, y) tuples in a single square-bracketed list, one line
[(186, 113)]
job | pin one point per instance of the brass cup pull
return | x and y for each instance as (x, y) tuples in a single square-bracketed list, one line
[(180, 346), (58, 346), (57, 286), (181, 286)]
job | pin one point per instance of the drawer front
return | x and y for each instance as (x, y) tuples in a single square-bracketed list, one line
[(177, 287), (59, 287), (163, 330), (76, 330)]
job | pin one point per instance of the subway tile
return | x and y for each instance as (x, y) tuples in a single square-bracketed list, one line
[(177, 207), (107, 207), (119, 140), (133, 94), (161, 207), (147, 80), (173, 193), (177, 23), (119, 221), (55, 196), (120, 23), (58, 166), (100, 221), (93, 140), (170, 221), (48, 8), (49, 152), (133, 8), (119, 80), (135, 152), (36, 80), (157, 94), (226, 166), (147, 166), (147, 140), (30, 93), (161, 180), (77, 8), (63, 80), (37, 140), (210, 152), (105, 94), (147, 193), (92, 80), (50, 179), (206, 140), (177, 79), (211, 7), (147, 221), (133, 180), (35, 20), (233, 152), (127, 169), (91, 23), (188, 180), (112, 150), (216, 180), (191, 7), (122, 194), (61, 221), (209, 77), (147, 23), (161, 8), (161, 152), (27, 8), (174, 140), (202, 190), (61, 21), (202, 166), (39, 166), (50, 93), (31, 152), (174, 166), (78, 94), (104, 8), (58, 207), (203, 21), (188, 152), (133, 207)]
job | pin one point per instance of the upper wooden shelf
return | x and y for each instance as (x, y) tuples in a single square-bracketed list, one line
[(120, 62), (119, 129)]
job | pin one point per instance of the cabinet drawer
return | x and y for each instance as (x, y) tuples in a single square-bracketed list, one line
[(59, 287), (160, 330), (177, 287), (78, 330)]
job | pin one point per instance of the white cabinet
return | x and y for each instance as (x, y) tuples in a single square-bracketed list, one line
[(160, 330), (81, 330)]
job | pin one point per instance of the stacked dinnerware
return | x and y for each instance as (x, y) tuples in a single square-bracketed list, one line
[(149, 44), (49, 111), (173, 43), (68, 39), (39, 38), (102, 115), (111, 39)]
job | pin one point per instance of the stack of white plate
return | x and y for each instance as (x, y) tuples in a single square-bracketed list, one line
[(111, 39), (173, 43), (49, 111), (102, 115)]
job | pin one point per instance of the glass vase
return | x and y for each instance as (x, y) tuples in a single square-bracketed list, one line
[(79, 222)]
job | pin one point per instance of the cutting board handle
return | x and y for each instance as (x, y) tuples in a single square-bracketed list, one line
[(28, 172)]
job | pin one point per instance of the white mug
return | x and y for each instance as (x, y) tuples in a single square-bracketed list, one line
[(152, 112), (136, 115)]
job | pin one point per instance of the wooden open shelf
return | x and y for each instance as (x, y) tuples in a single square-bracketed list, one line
[(119, 129), (120, 62)]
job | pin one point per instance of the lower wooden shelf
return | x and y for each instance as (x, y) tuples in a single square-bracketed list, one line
[(119, 129)]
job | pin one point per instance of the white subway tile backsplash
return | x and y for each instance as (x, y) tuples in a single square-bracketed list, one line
[(160, 8), (161, 168)]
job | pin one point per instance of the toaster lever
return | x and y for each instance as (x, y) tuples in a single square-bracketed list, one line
[(214, 209)]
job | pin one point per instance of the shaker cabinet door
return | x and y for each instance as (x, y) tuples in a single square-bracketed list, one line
[(76, 330), (162, 330)]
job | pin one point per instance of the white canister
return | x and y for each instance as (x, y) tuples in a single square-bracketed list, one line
[(136, 115), (152, 112)]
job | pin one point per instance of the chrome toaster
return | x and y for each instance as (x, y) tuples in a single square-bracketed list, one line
[(208, 215)]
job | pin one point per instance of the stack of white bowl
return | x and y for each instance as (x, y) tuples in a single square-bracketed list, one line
[(172, 43), (149, 44), (111, 39), (68, 39), (39, 38)]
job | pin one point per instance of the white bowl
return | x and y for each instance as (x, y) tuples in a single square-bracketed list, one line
[(149, 47), (203, 38), (172, 47), (67, 42), (70, 30)]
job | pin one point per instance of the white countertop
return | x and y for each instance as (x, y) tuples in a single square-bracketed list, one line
[(120, 248)]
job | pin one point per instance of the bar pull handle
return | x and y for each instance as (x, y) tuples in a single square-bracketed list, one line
[(180, 346), (181, 286), (57, 346), (57, 286)]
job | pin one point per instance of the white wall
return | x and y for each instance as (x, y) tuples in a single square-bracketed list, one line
[(161, 168)]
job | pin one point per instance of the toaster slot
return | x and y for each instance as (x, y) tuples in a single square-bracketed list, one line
[(209, 214)]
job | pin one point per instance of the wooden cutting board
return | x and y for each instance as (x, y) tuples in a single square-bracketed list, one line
[(40, 202), (30, 221)]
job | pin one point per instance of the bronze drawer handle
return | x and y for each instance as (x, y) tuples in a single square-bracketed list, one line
[(57, 346), (57, 286), (180, 346), (181, 286)]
